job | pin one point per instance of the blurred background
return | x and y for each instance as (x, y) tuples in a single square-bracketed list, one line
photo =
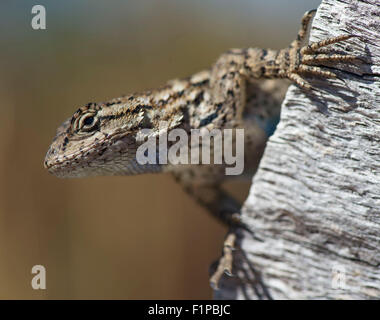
[(135, 237)]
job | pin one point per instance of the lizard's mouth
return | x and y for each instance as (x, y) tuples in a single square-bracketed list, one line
[(60, 168), (67, 165), (70, 168), (99, 155), (64, 160)]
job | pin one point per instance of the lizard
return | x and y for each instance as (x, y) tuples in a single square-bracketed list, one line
[(243, 89)]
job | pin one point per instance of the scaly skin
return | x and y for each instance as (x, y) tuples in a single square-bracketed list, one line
[(241, 90)]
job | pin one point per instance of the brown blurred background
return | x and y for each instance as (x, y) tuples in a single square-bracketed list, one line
[(135, 237)]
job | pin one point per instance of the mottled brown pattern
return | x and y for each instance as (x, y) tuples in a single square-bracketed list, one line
[(238, 91)]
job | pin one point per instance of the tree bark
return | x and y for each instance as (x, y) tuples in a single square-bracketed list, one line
[(314, 204)]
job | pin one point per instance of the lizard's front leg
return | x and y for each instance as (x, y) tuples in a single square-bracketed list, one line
[(239, 65), (297, 60), (203, 184)]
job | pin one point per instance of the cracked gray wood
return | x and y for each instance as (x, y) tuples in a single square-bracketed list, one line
[(314, 204)]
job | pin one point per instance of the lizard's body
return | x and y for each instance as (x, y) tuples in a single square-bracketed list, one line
[(241, 90)]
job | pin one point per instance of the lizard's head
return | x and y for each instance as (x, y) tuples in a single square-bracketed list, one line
[(99, 139)]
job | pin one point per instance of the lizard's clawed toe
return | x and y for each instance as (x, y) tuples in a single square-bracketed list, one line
[(225, 263), (299, 81), (317, 71), (325, 57), (313, 47), (308, 58)]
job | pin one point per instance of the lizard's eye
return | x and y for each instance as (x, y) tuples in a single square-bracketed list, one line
[(87, 123)]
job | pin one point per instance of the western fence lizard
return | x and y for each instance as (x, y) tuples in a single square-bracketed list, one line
[(241, 90)]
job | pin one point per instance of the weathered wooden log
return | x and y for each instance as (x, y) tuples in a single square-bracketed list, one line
[(314, 204)]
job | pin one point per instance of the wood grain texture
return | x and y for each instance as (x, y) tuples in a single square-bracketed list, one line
[(314, 204)]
